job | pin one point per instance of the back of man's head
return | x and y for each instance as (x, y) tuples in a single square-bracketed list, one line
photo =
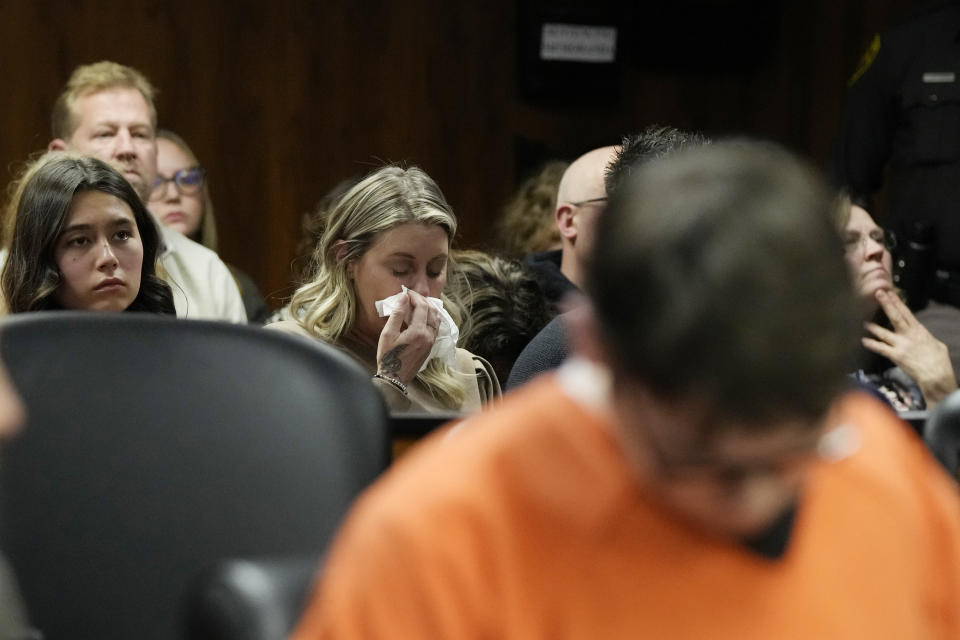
[(92, 78), (503, 306), (656, 141), (718, 276)]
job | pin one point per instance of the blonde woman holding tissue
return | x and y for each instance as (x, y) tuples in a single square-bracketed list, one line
[(376, 291)]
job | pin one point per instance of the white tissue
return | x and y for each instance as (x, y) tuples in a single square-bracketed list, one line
[(445, 346)]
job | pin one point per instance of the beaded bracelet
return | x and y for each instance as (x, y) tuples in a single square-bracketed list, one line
[(399, 385)]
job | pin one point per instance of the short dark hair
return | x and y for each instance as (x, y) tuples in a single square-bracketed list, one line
[(654, 142), (30, 276), (718, 275)]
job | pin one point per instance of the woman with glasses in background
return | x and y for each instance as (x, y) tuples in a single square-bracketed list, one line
[(902, 360), (181, 201)]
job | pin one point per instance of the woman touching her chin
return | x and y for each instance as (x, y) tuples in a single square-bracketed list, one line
[(904, 361)]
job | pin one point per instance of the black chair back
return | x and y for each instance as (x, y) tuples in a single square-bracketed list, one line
[(156, 447), (941, 432), (250, 599)]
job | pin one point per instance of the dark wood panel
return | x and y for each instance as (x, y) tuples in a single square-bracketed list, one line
[(282, 99)]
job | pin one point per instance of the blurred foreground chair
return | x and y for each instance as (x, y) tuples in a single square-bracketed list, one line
[(261, 598), (155, 448), (941, 433), (249, 599)]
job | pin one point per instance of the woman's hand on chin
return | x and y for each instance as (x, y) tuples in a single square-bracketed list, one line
[(912, 348), (407, 338)]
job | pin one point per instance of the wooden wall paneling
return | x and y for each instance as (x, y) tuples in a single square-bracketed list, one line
[(283, 99)]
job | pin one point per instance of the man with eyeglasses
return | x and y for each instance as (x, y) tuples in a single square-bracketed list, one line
[(698, 471), (106, 110), (580, 199), (549, 348)]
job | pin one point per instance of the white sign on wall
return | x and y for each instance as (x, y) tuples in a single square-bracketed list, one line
[(578, 43)]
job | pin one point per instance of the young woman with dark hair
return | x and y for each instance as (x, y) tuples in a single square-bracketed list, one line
[(81, 239)]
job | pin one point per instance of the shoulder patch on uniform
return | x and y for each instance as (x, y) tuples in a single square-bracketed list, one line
[(866, 60)]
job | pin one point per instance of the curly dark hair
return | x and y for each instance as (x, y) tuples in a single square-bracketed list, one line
[(30, 276), (502, 305)]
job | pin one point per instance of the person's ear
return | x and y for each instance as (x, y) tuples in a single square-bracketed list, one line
[(565, 221), (57, 144), (586, 340), (340, 251)]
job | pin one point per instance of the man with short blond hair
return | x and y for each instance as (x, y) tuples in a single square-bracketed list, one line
[(93, 78), (106, 110)]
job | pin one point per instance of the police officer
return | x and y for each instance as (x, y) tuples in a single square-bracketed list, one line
[(901, 130)]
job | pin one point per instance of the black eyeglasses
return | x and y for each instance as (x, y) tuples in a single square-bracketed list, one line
[(590, 201), (188, 181)]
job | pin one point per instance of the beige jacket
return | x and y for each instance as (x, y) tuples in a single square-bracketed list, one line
[(202, 286)]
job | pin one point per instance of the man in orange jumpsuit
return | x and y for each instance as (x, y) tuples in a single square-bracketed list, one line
[(697, 471)]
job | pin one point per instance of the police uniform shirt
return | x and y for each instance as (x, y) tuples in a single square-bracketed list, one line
[(902, 126)]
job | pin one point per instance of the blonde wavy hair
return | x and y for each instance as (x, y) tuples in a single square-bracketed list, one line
[(326, 306)]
